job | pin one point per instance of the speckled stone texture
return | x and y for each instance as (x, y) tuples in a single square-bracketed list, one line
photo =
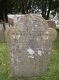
[(30, 43)]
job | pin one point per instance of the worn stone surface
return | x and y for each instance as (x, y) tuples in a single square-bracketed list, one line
[(30, 44)]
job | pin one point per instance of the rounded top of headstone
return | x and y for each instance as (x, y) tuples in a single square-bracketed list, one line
[(33, 25), (32, 19)]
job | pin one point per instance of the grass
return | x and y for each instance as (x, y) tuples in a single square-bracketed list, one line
[(51, 74), (57, 26), (4, 62)]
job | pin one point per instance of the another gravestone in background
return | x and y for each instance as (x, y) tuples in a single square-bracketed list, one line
[(51, 24), (30, 43), (1, 33), (5, 33)]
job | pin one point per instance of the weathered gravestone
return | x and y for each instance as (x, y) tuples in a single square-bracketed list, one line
[(1, 33), (51, 24), (30, 43), (7, 28)]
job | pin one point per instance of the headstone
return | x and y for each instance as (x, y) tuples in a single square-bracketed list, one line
[(15, 19), (30, 44), (1, 33), (10, 22), (5, 33), (51, 24)]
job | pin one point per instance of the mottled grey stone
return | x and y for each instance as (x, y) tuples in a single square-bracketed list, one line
[(30, 43)]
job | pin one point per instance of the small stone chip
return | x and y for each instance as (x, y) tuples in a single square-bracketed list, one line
[(30, 51), (39, 52)]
